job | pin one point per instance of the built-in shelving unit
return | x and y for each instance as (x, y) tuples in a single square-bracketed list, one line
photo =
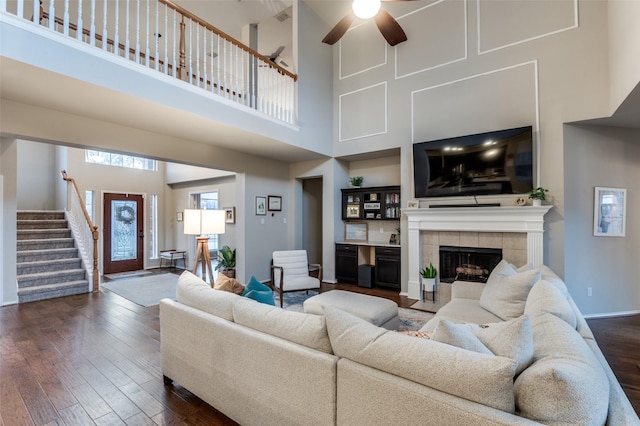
[(376, 203)]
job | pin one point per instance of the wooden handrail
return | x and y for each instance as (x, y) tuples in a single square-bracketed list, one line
[(94, 232)]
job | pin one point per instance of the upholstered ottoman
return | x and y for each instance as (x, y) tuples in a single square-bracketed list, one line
[(377, 310)]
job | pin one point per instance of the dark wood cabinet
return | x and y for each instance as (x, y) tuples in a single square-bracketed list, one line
[(388, 267), (376, 203), (347, 263)]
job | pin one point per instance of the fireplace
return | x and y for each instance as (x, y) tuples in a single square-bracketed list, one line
[(467, 263)]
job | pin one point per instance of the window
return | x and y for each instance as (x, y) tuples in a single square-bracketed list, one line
[(120, 160), (208, 201), (153, 226)]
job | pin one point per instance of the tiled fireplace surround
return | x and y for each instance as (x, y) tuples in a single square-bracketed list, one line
[(518, 231)]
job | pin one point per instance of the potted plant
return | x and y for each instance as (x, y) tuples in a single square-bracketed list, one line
[(356, 181), (538, 195), (428, 279), (227, 261)]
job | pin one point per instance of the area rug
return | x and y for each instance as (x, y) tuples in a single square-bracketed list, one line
[(128, 274), (145, 291), (410, 319), (428, 305)]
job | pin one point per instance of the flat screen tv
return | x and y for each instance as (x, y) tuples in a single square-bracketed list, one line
[(491, 163)]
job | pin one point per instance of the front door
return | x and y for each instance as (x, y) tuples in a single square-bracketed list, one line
[(123, 233)]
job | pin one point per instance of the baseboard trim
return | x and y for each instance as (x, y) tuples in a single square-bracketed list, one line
[(612, 314)]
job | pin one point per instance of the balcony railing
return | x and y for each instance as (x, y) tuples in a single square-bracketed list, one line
[(169, 39)]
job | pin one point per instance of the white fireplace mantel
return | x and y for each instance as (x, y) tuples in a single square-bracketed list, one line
[(527, 219)]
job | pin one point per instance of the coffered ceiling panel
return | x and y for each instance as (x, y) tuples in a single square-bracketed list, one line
[(437, 35), (363, 112), (499, 99), (503, 23), (362, 48)]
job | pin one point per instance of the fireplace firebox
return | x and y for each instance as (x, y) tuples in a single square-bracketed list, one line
[(467, 263)]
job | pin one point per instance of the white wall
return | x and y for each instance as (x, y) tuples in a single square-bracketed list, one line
[(605, 157), (37, 176), (624, 37), (496, 65), (9, 173)]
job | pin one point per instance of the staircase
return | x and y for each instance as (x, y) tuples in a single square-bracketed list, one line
[(48, 263)]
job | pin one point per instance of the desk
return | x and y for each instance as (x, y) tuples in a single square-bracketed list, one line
[(173, 256)]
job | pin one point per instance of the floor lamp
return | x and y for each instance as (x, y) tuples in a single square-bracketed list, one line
[(202, 222)]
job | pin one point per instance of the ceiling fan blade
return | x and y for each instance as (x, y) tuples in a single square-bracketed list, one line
[(277, 52), (338, 31), (389, 27)]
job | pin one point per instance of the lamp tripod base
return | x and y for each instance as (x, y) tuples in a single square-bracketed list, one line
[(202, 255)]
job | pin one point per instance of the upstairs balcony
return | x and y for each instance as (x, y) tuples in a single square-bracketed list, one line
[(166, 38)]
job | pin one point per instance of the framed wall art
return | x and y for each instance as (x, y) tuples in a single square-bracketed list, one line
[(261, 206), (274, 203), (609, 207), (229, 214), (355, 231)]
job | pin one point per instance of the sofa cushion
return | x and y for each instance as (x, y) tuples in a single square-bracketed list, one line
[(461, 311), (506, 291), (482, 378), (565, 385), (546, 297), (458, 335), (547, 274), (194, 292), (511, 339), (226, 283), (305, 329)]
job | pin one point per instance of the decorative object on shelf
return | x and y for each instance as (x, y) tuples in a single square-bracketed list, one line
[(227, 261), (261, 206), (230, 214), (393, 239), (521, 201), (538, 195), (412, 204), (274, 203), (203, 223), (609, 212), (356, 181), (428, 281)]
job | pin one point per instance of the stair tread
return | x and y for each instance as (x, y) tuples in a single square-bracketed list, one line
[(52, 250), (50, 261), (51, 273), (45, 287)]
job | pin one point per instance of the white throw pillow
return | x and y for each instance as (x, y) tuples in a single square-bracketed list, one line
[(506, 291), (566, 385), (510, 339), (547, 297)]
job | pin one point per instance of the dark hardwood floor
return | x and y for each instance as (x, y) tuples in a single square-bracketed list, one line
[(95, 359)]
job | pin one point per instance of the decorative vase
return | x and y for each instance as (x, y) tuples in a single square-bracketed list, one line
[(537, 203)]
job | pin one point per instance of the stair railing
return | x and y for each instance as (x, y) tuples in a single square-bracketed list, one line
[(165, 37), (85, 232)]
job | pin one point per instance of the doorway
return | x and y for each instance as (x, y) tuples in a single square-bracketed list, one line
[(312, 218), (123, 233)]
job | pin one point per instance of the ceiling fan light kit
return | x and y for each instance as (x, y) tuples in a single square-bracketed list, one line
[(365, 9)]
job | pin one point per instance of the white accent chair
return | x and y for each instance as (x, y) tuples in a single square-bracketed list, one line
[(290, 271)]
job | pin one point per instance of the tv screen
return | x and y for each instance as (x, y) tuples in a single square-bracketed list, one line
[(491, 163)]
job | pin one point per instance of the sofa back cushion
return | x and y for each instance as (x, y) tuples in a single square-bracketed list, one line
[(566, 384), (305, 329), (506, 290), (547, 297), (486, 379), (194, 292)]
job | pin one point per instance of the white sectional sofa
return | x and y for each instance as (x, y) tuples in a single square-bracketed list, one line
[(260, 364)]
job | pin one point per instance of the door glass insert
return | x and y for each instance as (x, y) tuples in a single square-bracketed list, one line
[(123, 230)]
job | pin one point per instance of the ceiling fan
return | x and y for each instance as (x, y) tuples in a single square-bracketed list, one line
[(276, 58), (365, 9)]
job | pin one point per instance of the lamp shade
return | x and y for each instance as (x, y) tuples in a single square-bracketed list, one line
[(202, 222)]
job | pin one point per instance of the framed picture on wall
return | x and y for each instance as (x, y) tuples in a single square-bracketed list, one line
[(275, 203), (609, 207), (261, 206), (229, 214)]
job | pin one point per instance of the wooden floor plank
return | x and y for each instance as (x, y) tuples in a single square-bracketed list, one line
[(98, 355)]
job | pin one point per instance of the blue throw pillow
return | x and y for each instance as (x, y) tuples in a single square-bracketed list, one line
[(256, 285), (261, 296)]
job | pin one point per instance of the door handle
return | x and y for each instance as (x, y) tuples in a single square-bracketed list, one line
[(141, 233)]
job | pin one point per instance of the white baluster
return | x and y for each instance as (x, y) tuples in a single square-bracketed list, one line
[(146, 47), (224, 67), (204, 58), (138, 31), (197, 54), (79, 31), (236, 72), (52, 15), (20, 9), (3, 5), (175, 60), (166, 40), (65, 19), (157, 54), (105, 38), (127, 45), (92, 28), (36, 11), (212, 84), (218, 79)]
